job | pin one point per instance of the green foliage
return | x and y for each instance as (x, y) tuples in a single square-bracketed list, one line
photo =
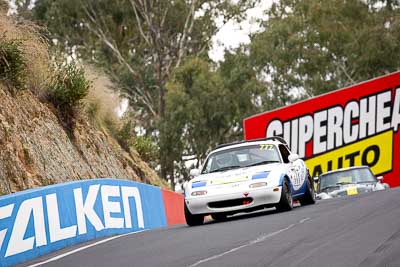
[(205, 107), (147, 148), (126, 138), (68, 87), (12, 64), (316, 47), (197, 104), (124, 135), (305, 48), (139, 43), (246, 91)]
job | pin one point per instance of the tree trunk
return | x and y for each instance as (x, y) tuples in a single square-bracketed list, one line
[(172, 177), (163, 171), (164, 159)]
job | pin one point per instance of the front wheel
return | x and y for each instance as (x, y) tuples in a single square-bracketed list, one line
[(193, 219), (309, 195), (286, 201)]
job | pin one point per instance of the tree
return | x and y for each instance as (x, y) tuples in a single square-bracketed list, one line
[(317, 46), (138, 42), (206, 105), (247, 91), (197, 105)]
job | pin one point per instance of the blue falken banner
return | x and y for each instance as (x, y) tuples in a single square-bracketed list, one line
[(38, 221)]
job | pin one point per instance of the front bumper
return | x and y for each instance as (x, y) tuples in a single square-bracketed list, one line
[(221, 203)]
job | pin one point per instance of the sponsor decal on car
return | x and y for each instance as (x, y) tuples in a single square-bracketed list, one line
[(229, 180), (352, 191)]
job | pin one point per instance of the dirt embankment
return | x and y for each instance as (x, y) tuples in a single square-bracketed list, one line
[(35, 149)]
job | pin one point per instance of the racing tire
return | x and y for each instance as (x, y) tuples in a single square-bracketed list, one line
[(193, 219), (286, 201), (219, 217), (309, 195)]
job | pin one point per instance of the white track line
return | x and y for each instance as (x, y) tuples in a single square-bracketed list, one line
[(252, 242), (82, 248), (304, 220)]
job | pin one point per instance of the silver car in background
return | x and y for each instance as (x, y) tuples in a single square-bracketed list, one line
[(347, 182)]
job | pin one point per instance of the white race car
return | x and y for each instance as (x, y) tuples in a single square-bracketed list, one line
[(247, 176)]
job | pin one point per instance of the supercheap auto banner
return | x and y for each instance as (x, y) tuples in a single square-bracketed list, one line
[(357, 125)]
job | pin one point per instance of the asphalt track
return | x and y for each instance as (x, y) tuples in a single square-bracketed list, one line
[(361, 230)]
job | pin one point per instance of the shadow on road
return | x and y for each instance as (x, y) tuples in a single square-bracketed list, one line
[(243, 216)]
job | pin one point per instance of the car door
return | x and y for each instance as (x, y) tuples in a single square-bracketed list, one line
[(297, 170)]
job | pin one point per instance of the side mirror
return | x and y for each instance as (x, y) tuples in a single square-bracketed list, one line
[(293, 157), (194, 172), (379, 178)]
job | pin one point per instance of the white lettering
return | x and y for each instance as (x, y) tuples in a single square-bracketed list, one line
[(5, 212), (367, 116), (383, 112), (29, 229), (350, 131), (56, 232), (305, 133), (319, 132), (111, 206), (396, 110), (335, 119), (286, 132), (294, 136), (128, 192), (86, 210), (274, 128), (335, 126), (17, 243)]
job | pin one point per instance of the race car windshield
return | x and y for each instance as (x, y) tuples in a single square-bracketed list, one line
[(352, 176), (240, 157)]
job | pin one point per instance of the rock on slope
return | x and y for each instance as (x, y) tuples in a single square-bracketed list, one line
[(35, 150)]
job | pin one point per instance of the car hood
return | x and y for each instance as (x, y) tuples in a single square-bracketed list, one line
[(351, 189), (236, 175)]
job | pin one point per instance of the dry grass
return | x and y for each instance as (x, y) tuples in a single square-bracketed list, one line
[(34, 47), (3, 6), (102, 102)]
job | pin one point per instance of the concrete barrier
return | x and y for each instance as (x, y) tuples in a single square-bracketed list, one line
[(38, 221)]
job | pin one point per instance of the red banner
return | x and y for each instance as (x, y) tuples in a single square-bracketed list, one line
[(357, 125)]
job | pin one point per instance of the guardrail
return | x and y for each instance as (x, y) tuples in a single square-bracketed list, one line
[(38, 221)]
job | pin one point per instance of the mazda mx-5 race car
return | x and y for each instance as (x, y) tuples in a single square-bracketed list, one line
[(246, 176), (347, 182)]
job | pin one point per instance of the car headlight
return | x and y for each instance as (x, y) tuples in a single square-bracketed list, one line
[(255, 185), (199, 193)]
